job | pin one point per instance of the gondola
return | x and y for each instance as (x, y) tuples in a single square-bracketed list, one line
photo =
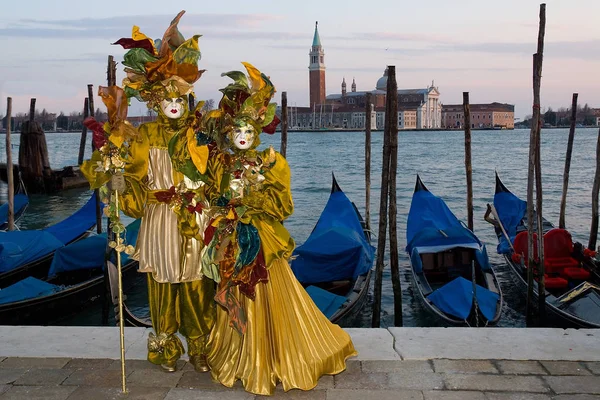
[(450, 266), (572, 279), (29, 252), (75, 280), (334, 264)]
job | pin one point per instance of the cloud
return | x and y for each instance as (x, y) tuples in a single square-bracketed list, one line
[(114, 27)]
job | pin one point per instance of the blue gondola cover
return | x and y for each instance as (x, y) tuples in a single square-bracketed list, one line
[(21, 201), (511, 211), (432, 227), (327, 302), (337, 248), (21, 247), (76, 224), (28, 288), (456, 298)]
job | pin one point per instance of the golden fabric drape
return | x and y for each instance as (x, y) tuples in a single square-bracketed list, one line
[(187, 308), (288, 339)]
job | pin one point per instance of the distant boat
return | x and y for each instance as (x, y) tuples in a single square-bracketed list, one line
[(29, 252), (75, 280), (450, 266), (334, 263), (572, 278)]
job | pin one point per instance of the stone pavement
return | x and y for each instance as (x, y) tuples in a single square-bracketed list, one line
[(59, 363)]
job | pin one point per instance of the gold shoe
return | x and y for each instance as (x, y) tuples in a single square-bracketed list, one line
[(169, 366), (200, 363)]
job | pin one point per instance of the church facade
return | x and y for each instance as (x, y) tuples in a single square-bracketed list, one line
[(417, 108)]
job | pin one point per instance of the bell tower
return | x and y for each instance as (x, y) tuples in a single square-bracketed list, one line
[(316, 70)]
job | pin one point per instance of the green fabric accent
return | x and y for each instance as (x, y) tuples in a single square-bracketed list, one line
[(248, 244), (136, 59)]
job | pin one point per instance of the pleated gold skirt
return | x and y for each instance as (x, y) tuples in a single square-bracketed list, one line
[(287, 339)]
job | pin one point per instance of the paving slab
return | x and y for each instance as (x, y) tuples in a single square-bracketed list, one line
[(594, 367), (353, 366), (452, 395), (513, 367), (464, 366), (43, 376), (416, 381), (34, 362), (347, 394), (506, 383), (195, 394), (372, 344), (38, 392), (296, 394), (497, 343), (574, 384), (516, 396), (10, 375), (65, 341), (89, 363), (103, 393), (576, 397), (393, 366), (361, 381), (93, 377), (152, 378), (565, 368)]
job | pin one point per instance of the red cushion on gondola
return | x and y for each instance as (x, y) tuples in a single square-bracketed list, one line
[(557, 265), (521, 244), (557, 243), (555, 282), (576, 274)]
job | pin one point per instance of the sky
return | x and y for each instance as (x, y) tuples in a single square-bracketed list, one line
[(52, 50)]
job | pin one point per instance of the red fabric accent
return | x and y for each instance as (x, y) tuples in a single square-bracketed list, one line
[(99, 136), (270, 129), (576, 274), (558, 247), (589, 253), (165, 196), (556, 265), (129, 43), (521, 245), (555, 283), (209, 233), (258, 274)]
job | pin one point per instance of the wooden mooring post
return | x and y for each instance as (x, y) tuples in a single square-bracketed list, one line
[(34, 163), (595, 190), (82, 141), (383, 214), (368, 111), (284, 124), (98, 207), (392, 101), (563, 200), (468, 166), (9, 168)]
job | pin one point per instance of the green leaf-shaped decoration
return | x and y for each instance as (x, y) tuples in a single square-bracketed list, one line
[(188, 52)]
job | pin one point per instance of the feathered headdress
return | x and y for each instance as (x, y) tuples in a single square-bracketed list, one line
[(160, 69)]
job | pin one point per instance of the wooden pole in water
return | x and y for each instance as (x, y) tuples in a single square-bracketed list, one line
[(595, 190), (563, 201), (284, 123), (530, 212), (383, 208), (98, 208), (31, 110), (86, 111), (368, 161), (538, 169), (9, 168), (468, 166), (393, 210)]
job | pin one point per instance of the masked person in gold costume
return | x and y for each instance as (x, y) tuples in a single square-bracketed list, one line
[(164, 187), (267, 329)]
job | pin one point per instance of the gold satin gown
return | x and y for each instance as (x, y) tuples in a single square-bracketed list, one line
[(287, 338)]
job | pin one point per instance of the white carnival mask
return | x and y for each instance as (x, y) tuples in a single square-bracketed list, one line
[(243, 137), (173, 107)]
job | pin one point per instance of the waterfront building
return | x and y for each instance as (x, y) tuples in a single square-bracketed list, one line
[(492, 115)]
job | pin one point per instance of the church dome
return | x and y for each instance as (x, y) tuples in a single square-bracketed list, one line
[(382, 82)]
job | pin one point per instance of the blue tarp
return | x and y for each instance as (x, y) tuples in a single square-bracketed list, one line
[(28, 288), (89, 252), (432, 224), (511, 211), (18, 248), (21, 201), (21, 247), (327, 302), (337, 248), (76, 224), (456, 299)]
